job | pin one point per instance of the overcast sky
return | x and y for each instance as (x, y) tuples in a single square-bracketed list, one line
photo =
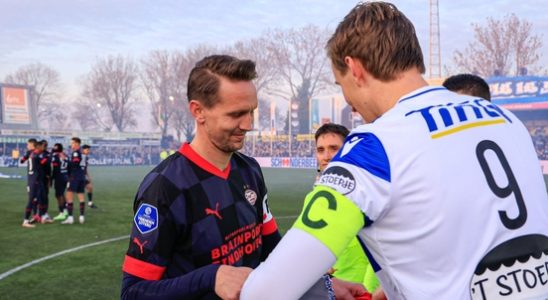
[(69, 35)]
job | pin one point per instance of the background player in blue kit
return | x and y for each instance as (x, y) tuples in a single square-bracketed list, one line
[(77, 181), (89, 181), (444, 189), (201, 217), (45, 166), (59, 163), (31, 203), (32, 189), (35, 184)]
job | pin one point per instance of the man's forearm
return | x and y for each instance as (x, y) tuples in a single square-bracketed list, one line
[(189, 286)]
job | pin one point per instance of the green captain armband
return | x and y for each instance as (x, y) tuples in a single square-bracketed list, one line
[(331, 218)]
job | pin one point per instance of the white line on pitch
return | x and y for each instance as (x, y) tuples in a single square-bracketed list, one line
[(36, 261), (286, 217)]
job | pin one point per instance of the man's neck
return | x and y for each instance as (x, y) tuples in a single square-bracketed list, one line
[(209, 152), (389, 93)]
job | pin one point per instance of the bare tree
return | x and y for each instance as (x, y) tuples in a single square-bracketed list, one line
[(159, 77), (184, 124), (500, 46), (46, 83), (268, 73), (110, 86), (303, 67), (90, 116), (525, 45), (55, 115), (255, 50)]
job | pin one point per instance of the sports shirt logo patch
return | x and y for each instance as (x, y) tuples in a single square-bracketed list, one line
[(214, 212), (349, 145), (515, 269), (338, 178), (139, 244), (251, 196), (146, 218)]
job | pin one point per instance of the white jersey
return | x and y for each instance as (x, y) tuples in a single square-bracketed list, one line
[(452, 189), (454, 201)]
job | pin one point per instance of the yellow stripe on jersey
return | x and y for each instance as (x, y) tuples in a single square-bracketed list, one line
[(331, 218), (467, 126)]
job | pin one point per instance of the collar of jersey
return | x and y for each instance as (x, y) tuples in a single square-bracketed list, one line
[(421, 91), (194, 157)]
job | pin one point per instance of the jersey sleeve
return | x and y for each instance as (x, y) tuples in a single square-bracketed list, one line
[(351, 193), (270, 233), (269, 223), (327, 223), (361, 172), (292, 268), (26, 156), (155, 230)]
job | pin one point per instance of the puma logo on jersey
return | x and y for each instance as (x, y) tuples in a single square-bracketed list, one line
[(214, 212), (138, 243), (349, 145)]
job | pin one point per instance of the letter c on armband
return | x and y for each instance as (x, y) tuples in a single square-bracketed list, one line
[(332, 205)]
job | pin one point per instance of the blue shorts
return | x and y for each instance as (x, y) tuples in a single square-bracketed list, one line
[(60, 185), (77, 186)]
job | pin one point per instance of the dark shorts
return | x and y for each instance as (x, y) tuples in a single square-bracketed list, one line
[(60, 185), (37, 191), (77, 186)]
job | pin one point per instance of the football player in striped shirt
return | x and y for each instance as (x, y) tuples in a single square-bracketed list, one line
[(59, 163), (201, 217)]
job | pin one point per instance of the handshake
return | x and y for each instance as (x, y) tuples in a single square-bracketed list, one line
[(230, 280)]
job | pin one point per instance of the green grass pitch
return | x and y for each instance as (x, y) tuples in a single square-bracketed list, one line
[(95, 272)]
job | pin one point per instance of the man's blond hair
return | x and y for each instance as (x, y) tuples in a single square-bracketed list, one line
[(380, 37)]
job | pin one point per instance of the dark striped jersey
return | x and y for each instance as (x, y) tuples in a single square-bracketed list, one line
[(77, 165), (46, 165), (36, 169), (26, 156), (59, 164), (189, 218)]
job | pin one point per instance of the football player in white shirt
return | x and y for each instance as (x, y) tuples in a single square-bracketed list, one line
[(445, 190)]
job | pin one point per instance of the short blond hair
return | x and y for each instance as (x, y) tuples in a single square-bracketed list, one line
[(380, 37)]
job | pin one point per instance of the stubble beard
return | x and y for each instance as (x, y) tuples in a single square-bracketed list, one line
[(228, 147)]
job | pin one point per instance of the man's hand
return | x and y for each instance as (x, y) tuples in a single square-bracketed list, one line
[(379, 294), (230, 280), (345, 290)]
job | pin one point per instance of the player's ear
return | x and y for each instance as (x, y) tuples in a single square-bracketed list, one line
[(197, 110), (356, 69)]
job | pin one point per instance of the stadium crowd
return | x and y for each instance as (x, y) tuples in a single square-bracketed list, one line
[(150, 155), (279, 149), (134, 155), (540, 140), (102, 155)]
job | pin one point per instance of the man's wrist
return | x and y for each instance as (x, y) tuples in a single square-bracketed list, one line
[(328, 283)]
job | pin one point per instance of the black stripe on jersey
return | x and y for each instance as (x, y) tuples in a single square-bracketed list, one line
[(197, 202), (161, 193)]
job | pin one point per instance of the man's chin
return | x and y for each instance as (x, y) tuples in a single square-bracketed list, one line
[(232, 147)]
